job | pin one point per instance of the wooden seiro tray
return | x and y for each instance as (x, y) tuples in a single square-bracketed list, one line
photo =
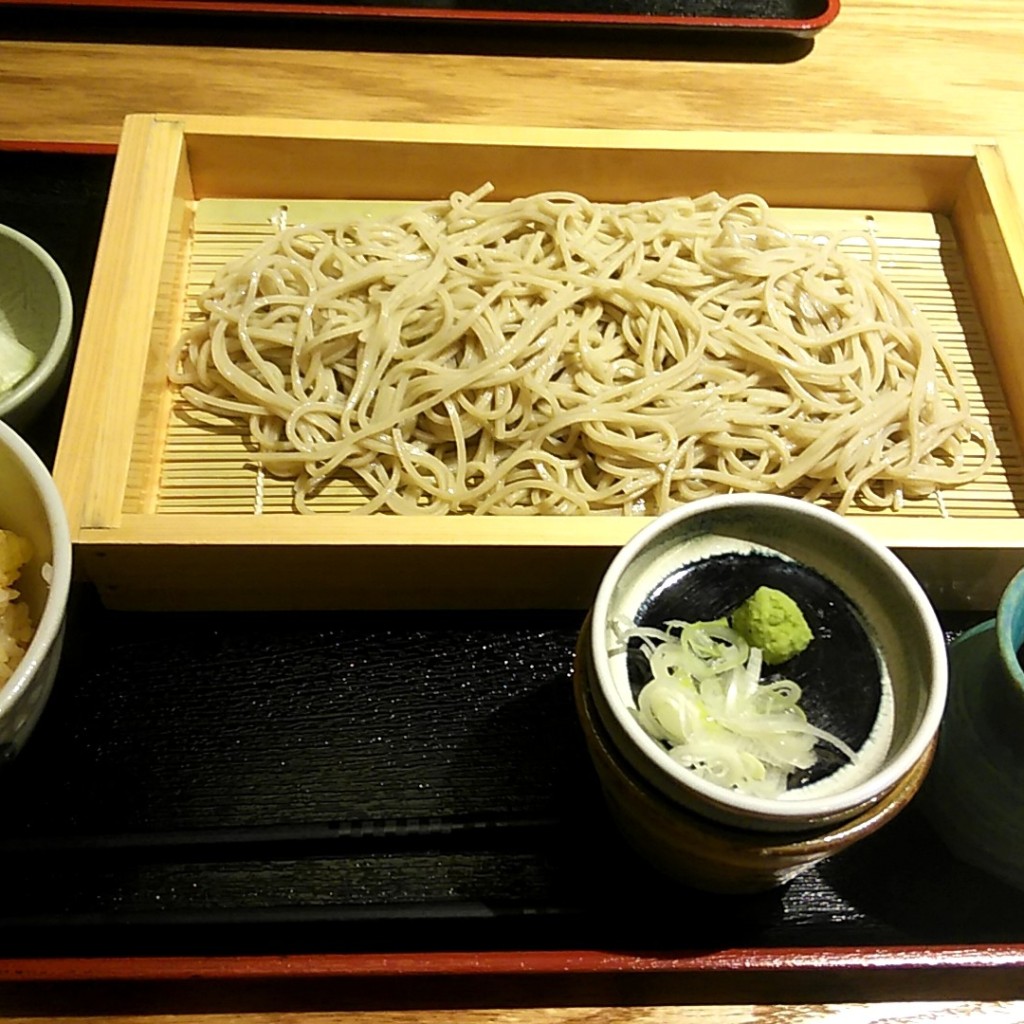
[(168, 511)]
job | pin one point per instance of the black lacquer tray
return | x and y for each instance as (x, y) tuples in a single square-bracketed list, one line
[(245, 784), (802, 18)]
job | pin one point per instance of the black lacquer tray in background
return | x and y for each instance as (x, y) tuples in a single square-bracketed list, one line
[(801, 18), (265, 783)]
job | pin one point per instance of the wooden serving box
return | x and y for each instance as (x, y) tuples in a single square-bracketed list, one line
[(167, 513)]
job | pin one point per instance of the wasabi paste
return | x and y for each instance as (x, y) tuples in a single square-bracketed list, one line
[(772, 621)]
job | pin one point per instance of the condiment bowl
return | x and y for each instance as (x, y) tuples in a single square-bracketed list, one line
[(35, 311), (695, 851), (874, 674), (31, 507)]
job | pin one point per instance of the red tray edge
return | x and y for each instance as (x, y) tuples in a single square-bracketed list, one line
[(809, 26), (1003, 956), (48, 146)]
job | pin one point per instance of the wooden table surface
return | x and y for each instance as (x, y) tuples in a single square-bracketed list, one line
[(898, 66), (946, 66)]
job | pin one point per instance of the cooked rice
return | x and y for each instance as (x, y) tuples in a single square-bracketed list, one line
[(15, 626)]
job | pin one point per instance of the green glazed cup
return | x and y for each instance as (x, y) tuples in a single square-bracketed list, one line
[(974, 796)]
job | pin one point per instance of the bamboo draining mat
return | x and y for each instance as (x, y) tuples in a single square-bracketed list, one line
[(206, 465)]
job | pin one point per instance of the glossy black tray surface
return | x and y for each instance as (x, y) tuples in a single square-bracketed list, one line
[(237, 783)]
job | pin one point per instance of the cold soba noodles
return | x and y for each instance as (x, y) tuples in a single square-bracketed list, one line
[(557, 355)]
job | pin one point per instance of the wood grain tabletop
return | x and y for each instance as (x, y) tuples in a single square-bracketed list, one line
[(946, 67), (69, 76)]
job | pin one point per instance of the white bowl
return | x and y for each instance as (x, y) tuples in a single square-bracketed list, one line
[(869, 610), (36, 309), (31, 506)]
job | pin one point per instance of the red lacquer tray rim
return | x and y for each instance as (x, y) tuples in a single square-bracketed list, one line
[(325, 8), (453, 964)]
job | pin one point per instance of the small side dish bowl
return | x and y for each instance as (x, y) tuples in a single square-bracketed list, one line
[(874, 674), (35, 324), (702, 854), (30, 506)]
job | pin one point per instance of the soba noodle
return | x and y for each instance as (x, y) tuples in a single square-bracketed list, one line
[(557, 355)]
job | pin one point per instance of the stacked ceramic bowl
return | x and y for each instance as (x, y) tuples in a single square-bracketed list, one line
[(871, 682), (35, 577), (35, 547)]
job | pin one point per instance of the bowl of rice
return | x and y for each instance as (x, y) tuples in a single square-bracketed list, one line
[(35, 327), (763, 664), (35, 579)]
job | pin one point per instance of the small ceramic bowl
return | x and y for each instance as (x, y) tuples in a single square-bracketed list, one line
[(875, 674), (700, 853), (36, 312), (31, 507)]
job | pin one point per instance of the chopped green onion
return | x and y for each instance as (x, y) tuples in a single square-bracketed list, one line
[(707, 704)]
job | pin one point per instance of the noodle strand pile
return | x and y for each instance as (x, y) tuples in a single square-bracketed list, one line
[(556, 355)]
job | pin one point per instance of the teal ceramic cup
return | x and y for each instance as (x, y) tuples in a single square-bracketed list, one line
[(1010, 638), (974, 796)]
